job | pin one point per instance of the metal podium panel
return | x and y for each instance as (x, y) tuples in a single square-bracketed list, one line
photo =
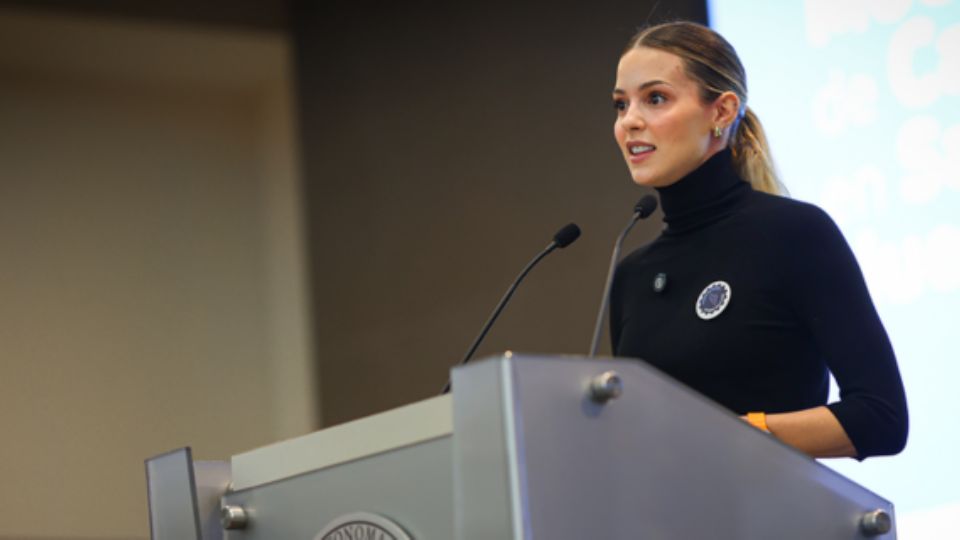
[(212, 479), (535, 457), (410, 486), (172, 496), (184, 496)]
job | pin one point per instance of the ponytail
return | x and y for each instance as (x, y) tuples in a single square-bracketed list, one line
[(712, 62), (751, 156)]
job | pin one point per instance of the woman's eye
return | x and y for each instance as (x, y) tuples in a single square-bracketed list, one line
[(656, 98), (619, 104)]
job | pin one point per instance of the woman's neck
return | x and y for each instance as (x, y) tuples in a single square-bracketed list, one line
[(705, 195)]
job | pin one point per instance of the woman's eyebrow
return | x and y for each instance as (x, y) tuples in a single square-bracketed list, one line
[(643, 86)]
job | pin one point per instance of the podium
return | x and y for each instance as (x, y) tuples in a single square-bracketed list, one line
[(536, 447)]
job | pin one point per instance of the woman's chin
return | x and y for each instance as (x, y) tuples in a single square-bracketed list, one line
[(644, 180)]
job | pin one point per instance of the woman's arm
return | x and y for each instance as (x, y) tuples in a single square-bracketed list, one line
[(826, 288), (815, 432)]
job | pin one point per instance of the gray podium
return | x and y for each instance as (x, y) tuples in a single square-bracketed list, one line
[(536, 447)]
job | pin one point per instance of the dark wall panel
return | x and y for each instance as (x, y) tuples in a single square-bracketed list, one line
[(443, 146), (253, 14)]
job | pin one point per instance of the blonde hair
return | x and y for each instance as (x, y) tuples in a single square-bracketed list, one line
[(713, 63)]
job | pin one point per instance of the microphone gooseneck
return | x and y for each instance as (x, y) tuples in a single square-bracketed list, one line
[(564, 237), (644, 207)]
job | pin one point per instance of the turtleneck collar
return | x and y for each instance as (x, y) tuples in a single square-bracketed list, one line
[(705, 195)]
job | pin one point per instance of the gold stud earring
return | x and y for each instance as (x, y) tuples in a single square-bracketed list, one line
[(717, 132)]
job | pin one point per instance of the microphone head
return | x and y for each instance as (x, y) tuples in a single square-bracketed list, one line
[(645, 206), (567, 235)]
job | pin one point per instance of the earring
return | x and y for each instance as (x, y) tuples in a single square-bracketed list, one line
[(717, 132)]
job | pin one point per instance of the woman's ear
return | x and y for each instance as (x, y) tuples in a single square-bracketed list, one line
[(726, 108)]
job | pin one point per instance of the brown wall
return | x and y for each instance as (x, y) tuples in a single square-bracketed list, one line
[(443, 148)]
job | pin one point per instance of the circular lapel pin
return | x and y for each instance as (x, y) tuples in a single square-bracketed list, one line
[(659, 282), (713, 300)]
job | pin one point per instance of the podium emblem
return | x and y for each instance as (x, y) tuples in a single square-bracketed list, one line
[(365, 525)]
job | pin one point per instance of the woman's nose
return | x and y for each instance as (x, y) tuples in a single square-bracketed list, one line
[(633, 119)]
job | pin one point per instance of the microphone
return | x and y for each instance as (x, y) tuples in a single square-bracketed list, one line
[(644, 207), (564, 237)]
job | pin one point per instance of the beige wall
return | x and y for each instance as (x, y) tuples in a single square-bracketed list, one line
[(152, 284)]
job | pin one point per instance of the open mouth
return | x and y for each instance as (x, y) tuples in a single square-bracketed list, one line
[(640, 149)]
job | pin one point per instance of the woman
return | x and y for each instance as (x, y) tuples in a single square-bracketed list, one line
[(749, 297)]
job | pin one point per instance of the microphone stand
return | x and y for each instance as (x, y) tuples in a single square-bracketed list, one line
[(598, 327), (564, 237), (644, 207)]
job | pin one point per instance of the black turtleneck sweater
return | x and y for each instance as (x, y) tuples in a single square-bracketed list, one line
[(798, 308)]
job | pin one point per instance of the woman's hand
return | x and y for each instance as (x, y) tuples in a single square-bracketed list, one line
[(815, 432)]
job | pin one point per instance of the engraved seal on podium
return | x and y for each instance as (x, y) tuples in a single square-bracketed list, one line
[(366, 525)]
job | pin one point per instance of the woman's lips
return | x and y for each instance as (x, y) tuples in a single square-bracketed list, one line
[(638, 151)]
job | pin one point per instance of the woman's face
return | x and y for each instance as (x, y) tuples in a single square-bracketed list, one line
[(662, 127)]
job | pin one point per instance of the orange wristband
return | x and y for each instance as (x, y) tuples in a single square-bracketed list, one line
[(758, 420)]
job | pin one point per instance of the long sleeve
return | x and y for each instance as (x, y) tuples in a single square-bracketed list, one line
[(830, 296)]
